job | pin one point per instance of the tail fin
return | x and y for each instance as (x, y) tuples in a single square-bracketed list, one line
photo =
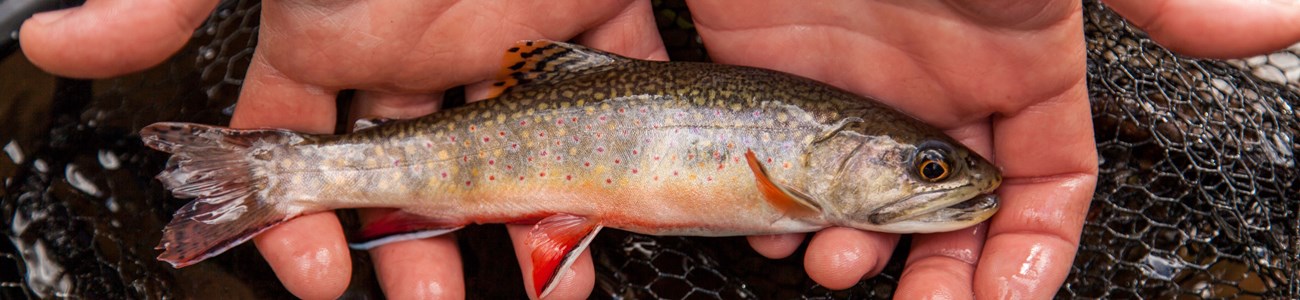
[(224, 170)]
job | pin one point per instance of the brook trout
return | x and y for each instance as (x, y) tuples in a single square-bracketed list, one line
[(576, 140)]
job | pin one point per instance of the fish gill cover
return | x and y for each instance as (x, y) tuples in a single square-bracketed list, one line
[(1197, 196)]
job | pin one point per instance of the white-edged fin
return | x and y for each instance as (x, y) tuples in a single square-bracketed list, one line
[(556, 242), (398, 237), (363, 124), (400, 226)]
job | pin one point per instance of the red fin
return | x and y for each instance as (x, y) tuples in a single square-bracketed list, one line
[(556, 241), (401, 226), (542, 60), (790, 202)]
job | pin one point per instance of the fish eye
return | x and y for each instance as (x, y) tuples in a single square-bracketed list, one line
[(932, 164)]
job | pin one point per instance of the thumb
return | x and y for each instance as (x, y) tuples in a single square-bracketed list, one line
[(107, 38)]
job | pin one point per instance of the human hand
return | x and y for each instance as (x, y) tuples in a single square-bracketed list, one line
[(1005, 78), (399, 55)]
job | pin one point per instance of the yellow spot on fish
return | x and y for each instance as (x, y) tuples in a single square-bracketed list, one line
[(443, 155)]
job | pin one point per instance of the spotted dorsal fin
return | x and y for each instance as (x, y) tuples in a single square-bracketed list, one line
[(542, 61)]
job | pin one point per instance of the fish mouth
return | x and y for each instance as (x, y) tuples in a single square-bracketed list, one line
[(936, 211)]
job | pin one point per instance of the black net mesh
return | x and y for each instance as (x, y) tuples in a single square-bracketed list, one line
[(1196, 199)]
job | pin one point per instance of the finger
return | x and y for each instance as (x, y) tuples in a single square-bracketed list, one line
[(108, 38), (439, 271), (776, 246), (576, 283), (630, 33), (1049, 162), (839, 257), (942, 265), (308, 253), (440, 275), (1215, 29)]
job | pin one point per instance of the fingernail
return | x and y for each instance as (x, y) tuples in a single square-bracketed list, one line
[(49, 17)]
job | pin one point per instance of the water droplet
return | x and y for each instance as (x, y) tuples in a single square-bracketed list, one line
[(40, 166), (15, 153), (108, 159), (79, 181)]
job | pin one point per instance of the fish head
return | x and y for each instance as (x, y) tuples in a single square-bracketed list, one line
[(919, 185)]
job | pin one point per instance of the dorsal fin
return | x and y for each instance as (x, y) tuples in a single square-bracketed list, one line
[(542, 61)]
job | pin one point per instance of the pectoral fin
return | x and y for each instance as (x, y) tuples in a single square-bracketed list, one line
[(556, 242), (792, 202), (400, 226)]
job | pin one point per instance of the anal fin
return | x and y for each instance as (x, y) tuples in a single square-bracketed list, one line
[(556, 242), (400, 226)]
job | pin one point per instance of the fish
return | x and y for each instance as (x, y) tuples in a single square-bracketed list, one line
[(575, 140)]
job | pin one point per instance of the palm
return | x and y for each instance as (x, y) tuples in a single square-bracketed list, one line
[(999, 84)]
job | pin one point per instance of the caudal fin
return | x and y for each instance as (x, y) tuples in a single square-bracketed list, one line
[(224, 170)]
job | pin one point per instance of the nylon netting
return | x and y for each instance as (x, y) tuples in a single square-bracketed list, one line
[(1197, 196)]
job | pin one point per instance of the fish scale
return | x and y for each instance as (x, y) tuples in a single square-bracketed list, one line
[(576, 140)]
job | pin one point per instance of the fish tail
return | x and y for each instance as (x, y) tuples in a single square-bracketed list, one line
[(225, 171)]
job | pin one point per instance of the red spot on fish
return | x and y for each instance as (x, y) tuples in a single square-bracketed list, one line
[(568, 177), (586, 164), (769, 160), (600, 149), (559, 122), (607, 180), (598, 135), (428, 144), (543, 152), (588, 126), (514, 146), (633, 171), (472, 127), (558, 158), (542, 174), (634, 152), (573, 119), (621, 110), (656, 157), (467, 183), (521, 178), (444, 174), (643, 111), (485, 139), (492, 177), (735, 159), (465, 158), (674, 173), (453, 138), (656, 177), (756, 113), (710, 178), (530, 158), (690, 156), (602, 118), (510, 167), (786, 165), (616, 161), (557, 143), (492, 162), (501, 133), (720, 166), (522, 123), (575, 138), (541, 134)]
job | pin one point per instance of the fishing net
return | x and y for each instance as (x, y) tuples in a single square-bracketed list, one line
[(1197, 196)]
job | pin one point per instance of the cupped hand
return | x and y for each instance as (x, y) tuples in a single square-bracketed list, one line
[(1007, 78), (399, 55)]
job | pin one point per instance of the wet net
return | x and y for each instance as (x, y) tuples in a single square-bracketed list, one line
[(1197, 196)]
